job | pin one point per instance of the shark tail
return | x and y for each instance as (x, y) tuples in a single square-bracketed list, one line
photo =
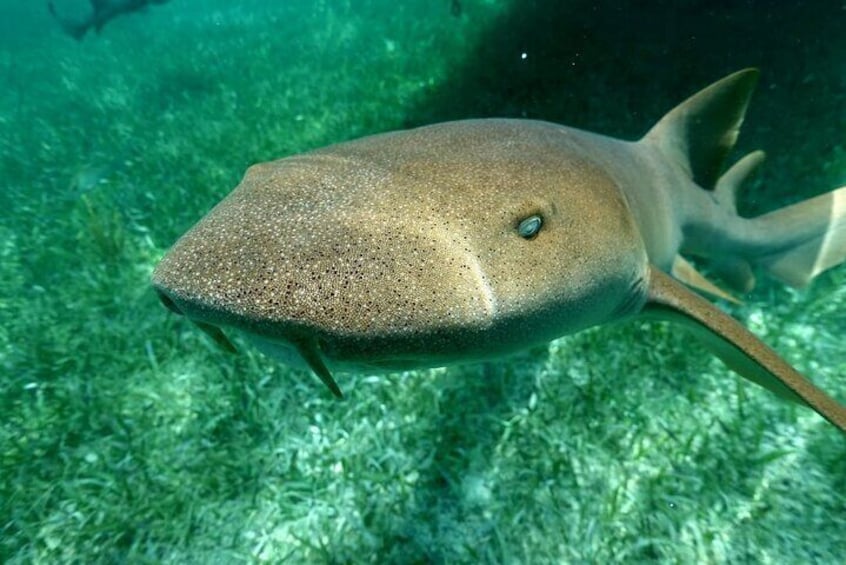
[(793, 244), (802, 240)]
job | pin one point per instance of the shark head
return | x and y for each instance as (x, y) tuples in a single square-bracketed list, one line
[(450, 243)]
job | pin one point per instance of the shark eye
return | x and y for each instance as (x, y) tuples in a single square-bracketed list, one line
[(529, 227)]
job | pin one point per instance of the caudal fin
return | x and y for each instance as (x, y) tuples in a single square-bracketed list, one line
[(811, 238)]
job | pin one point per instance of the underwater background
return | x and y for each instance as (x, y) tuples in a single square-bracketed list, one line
[(126, 435)]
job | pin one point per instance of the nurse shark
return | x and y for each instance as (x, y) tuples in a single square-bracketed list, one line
[(470, 240)]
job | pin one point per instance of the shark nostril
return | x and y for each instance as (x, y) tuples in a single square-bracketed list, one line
[(169, 304)]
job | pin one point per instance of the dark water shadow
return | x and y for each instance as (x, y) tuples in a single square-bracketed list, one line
[(616, 67), (448, 521), (545, 58)]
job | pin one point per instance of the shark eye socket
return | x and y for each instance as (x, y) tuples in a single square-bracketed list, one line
[(529, 227)]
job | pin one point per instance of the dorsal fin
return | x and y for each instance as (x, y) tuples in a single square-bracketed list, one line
[(736, 270), (729, 183), (701, 131)]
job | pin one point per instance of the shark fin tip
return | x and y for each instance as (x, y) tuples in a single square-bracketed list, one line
[(311, 355)]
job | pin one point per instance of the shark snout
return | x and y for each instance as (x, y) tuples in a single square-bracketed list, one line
[(376, 277)]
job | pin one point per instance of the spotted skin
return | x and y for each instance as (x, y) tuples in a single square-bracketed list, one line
[(470, 240)]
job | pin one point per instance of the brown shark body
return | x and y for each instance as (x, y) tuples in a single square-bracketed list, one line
[(469, 240)]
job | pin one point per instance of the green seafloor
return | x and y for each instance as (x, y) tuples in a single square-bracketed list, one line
[(127, 436)]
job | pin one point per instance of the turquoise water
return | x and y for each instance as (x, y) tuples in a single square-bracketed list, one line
[(126, 435)]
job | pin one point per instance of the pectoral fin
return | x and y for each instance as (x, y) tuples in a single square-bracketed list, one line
[(686, 273), (217, 335), (736, 346)]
